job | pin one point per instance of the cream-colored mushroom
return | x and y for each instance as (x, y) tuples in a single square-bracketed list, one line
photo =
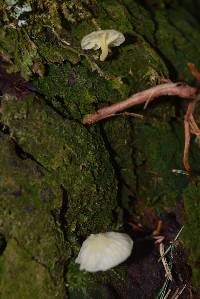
[(102, 39), (100, 252)]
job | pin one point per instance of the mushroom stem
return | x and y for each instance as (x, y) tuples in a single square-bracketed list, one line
[(104, 49)]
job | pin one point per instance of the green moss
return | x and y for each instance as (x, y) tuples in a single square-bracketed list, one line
[(76, 156), (115, 16), (157, 152), (92, 283), (25, 52), (28, 195), (17, 44), (80, 159), (109, 15), (138, 65), (171, 33), (53, 46), (123, 156), (77, 281), (141, 20), (177, 36), (51, 14), (76, 89), (22, 277), (146, 155)]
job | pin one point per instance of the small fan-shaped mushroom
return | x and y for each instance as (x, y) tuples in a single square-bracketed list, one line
[(102, 39), (104, 251)]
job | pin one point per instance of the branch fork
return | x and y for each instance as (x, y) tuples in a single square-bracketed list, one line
[(181, 90)]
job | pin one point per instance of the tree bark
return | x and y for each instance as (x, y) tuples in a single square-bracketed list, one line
[(60, 180)]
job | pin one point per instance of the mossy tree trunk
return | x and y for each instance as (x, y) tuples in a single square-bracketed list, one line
[(61, 181)]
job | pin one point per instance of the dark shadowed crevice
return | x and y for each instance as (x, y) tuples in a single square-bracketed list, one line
[(62, 111), (112, 155), (25, 156), (59, 216), (4, 129), (63, 210), (14, 84), (136, 168), (3, 244), (63, 227)]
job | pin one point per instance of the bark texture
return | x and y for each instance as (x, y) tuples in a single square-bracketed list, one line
[(60, 180)]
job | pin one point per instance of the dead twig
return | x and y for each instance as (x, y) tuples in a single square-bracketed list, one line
[(194, 71), (158, 229), (166, 290), (190, 126), (186, 146), (168, 293), (168, 89), (164, 262), (158, 239), (178, 292), (128, 114), (181, 90)]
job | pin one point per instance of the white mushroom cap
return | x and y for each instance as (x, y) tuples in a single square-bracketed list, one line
[(104, 251), (102, 39)]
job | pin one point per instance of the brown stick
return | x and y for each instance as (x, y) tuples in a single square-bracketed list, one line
[(186, 147), (190, 110), (190, 126), (168, 89), (194, 71)]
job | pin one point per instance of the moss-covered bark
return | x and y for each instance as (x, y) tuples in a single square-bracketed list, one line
[(29, 265), (62, 181)]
